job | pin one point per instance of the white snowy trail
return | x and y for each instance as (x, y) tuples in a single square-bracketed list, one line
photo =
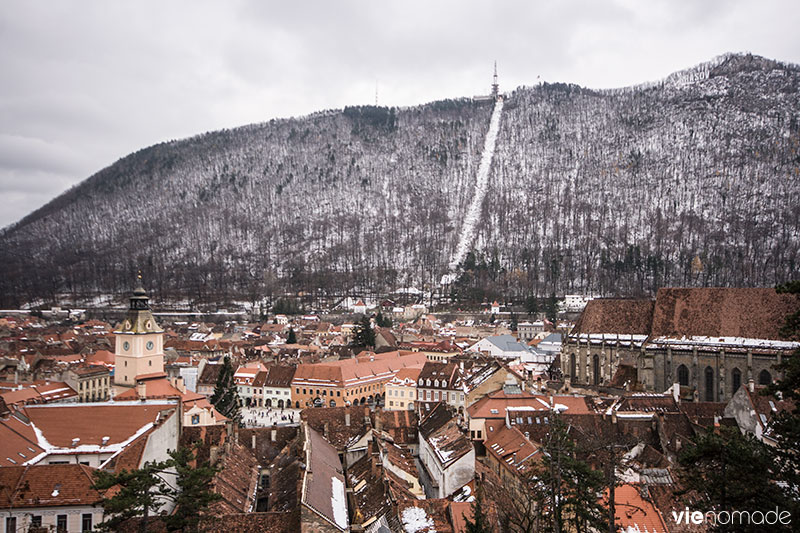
[(472, 218)]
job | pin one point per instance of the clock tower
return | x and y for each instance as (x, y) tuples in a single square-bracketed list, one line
[(139, 341)]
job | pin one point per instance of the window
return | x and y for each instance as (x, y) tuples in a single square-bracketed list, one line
[(391, 403), (436, 396), (596, 369), (338, 393), (709, 374), (61, 523), (764, 378), (151, 364), (736, 378), (86, 522), (683, 376), (36, 520), (572, 365), (11, 523)]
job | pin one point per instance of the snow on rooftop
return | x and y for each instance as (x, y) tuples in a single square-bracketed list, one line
[(338, 503), (742, 342), (416, 519)]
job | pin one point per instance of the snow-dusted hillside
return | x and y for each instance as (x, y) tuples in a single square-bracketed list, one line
[(600, 191)]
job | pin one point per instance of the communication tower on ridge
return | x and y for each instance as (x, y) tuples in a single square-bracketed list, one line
[(495, 85)]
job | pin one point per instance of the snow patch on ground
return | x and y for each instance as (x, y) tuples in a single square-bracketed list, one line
[(472, 218)]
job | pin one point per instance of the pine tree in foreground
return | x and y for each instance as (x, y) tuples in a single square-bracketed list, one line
[(226, 396)]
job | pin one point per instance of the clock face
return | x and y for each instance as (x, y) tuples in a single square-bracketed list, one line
[(150, 345), (126, 346)]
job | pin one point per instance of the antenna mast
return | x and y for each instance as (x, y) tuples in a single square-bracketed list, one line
[(495, 85)]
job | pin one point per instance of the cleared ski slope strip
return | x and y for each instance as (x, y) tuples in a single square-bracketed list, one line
[(481, 184)]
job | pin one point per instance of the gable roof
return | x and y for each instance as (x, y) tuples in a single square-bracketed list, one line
[(340, 434), (323, 482), (59, 424), (511, 448), (449, 443), (506, 343), (447, 374)]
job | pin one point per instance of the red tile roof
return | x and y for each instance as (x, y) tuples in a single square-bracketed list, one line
[(633, 511), (59, 424), (512, 449), (47, 486)]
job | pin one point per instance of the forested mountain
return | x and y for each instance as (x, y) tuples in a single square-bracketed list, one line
[(690, 181)]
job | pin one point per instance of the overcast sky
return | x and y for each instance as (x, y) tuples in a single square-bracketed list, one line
[(87, 82)]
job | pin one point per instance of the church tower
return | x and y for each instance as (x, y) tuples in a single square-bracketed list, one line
[(139, 341)]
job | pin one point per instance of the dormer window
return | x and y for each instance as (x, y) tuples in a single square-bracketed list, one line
[(421, 381)]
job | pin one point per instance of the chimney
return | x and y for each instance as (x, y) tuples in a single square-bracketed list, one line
[(378, 419), (253, 442), (179, 384), (751, 385), (325, 429), (213, 455), (676, 392), (141, 390), (347, 419), (273, 435)]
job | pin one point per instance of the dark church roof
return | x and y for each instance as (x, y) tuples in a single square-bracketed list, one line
[(755, 313), (624, 316)]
